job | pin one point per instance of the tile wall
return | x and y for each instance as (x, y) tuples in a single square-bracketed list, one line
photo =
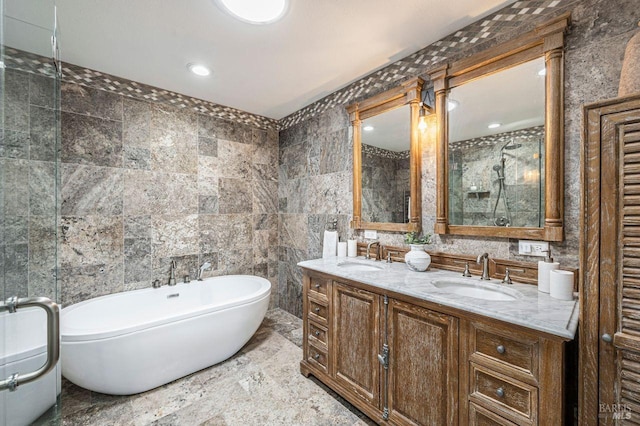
[(471, 164), (145, 183), (385, 182), (27, 185)]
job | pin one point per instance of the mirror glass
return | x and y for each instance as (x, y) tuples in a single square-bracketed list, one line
[(496, 148), (386, 143)]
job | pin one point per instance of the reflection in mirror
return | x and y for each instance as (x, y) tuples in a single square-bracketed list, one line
[(496, 148), (386, 166)]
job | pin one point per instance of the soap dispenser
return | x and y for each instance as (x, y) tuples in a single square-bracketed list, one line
[(544, 271)]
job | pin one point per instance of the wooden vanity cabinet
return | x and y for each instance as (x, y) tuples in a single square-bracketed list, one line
[(402, 363), (416, 384)]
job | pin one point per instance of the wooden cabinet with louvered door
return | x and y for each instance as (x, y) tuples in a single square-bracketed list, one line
[(610, 260)]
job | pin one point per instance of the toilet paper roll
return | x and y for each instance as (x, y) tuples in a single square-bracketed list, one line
[(330, 242), (561, 284), (342, 249), (544, 268), (352, 249)]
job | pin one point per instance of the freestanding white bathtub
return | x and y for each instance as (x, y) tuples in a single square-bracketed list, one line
[(130, 342), (23, 349)]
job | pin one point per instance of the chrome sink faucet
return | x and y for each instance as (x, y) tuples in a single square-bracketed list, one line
[(484, 258), (372, 243)]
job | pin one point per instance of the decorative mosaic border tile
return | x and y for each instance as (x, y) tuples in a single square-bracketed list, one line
[(98, 80), (29, 62), (384, 153), (491, 140), (510, 18)]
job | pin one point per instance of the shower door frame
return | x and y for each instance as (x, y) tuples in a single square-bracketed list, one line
[(48, 214)]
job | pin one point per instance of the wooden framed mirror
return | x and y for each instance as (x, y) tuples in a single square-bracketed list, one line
[(500, 139), (386, 160)]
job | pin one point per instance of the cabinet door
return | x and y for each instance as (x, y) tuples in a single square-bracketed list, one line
[(423, 366), (610, 264), (356, 342)]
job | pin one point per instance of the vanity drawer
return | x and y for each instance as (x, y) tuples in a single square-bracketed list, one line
[(318, 332), (318, 358), (318, 311), (520, 353), (318, 286), (479, 416), (501, 394)]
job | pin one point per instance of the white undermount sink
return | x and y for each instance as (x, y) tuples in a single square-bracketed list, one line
[(476, 290), (359, 266)]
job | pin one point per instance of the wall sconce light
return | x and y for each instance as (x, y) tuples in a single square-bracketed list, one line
[(426, 111), (425, 114)]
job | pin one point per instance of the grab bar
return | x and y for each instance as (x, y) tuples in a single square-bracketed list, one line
[(53, 338)]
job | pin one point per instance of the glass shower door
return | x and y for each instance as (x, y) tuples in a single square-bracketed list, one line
[(29, 138)]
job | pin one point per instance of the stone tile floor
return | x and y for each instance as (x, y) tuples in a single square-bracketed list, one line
[(260, 385)]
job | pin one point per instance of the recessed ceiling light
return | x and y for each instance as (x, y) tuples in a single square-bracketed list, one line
[(198, 69), (494, 125), (452, 104), (255, 11), (542, 72), (367, 128)]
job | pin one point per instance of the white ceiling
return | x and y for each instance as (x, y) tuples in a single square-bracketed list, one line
[(271, 70)]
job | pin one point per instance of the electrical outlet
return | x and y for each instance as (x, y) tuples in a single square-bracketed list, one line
[(533, 248), (370, 234)]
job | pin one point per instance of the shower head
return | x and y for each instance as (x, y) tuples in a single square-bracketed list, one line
[(514, 146), (510, 145), (499, 170)]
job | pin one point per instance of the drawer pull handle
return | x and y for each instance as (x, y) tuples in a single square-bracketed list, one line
[(316, 356), (500, 392), (317, 285), (500, 349), (316, 310), (317, 333)]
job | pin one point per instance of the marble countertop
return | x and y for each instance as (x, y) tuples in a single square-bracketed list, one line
[(531, 308)]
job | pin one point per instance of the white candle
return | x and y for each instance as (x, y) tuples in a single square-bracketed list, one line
[(544, 270), (352, 248), (561, 284), (342, 249)]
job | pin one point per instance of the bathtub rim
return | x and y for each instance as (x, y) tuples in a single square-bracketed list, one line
[(263, 292)]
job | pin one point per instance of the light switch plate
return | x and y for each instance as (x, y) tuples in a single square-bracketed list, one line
[(370, 234), (533, 248)]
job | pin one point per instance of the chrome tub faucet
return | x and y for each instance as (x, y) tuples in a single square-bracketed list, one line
[(205, 266), (172, 273)]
